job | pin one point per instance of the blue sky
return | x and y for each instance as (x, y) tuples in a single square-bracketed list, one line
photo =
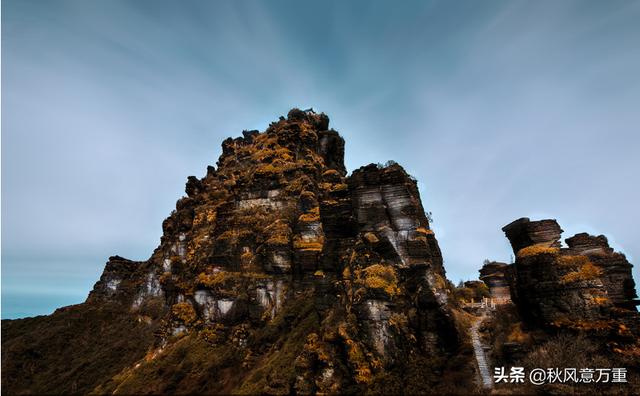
[(501, 109)]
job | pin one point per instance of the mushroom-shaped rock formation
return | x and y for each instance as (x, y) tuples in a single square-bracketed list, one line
[(585, 285), (493, 274)]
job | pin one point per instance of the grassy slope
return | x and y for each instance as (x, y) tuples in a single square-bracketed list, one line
[(70, 351), (190, 365)]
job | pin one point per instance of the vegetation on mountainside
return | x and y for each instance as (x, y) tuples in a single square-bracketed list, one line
[(535, 250), (574, 344), (381, 277), (184, 312), (586, 271), (72, 350), (471, 291)]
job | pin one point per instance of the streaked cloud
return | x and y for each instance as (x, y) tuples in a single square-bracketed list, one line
[(500, 109)]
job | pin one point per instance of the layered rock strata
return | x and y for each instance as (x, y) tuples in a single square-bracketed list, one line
[(586, 285), (493, 274), (616, 270)]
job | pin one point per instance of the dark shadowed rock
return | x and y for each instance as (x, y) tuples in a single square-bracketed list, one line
[(616, 270), (193, 186)]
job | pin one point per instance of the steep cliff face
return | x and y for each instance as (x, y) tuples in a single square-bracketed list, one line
[(295, 276), (616, 270), (584, 286)]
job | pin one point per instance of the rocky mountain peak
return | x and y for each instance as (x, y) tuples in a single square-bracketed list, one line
[(302, 140), (278, 224)]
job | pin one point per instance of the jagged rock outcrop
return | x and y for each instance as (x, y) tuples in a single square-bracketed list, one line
[(523, 233), (316, 281), (586, 285), (493, 274)]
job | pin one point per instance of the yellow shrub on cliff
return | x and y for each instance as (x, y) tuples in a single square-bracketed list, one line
[(311, 216), (571, 260), (206, 216), (184, 312), (265, 140), (355, 355), (587, 271), (584, 324), (371, 237), (315, 245), (333, 187), (279, 233), (423, 230), (363, 375), (213, 333), (195, 245), (316, 346), (535, 250), (398, 320), (229, 234), (278, 166), (600, 300), (382, 277), (266, 154), (331, 172), (247, 258), (214, 280), (298, 184), (278, 240), (306, 194)]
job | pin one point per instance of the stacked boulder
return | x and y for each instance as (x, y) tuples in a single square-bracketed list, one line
[(493, 274)]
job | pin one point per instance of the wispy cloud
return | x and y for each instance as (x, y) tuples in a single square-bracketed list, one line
[(500, 109)]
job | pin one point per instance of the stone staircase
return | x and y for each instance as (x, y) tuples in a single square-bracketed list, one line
[(481, 359)]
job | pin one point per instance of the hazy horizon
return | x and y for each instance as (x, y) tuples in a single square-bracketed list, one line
[(499, 109)]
